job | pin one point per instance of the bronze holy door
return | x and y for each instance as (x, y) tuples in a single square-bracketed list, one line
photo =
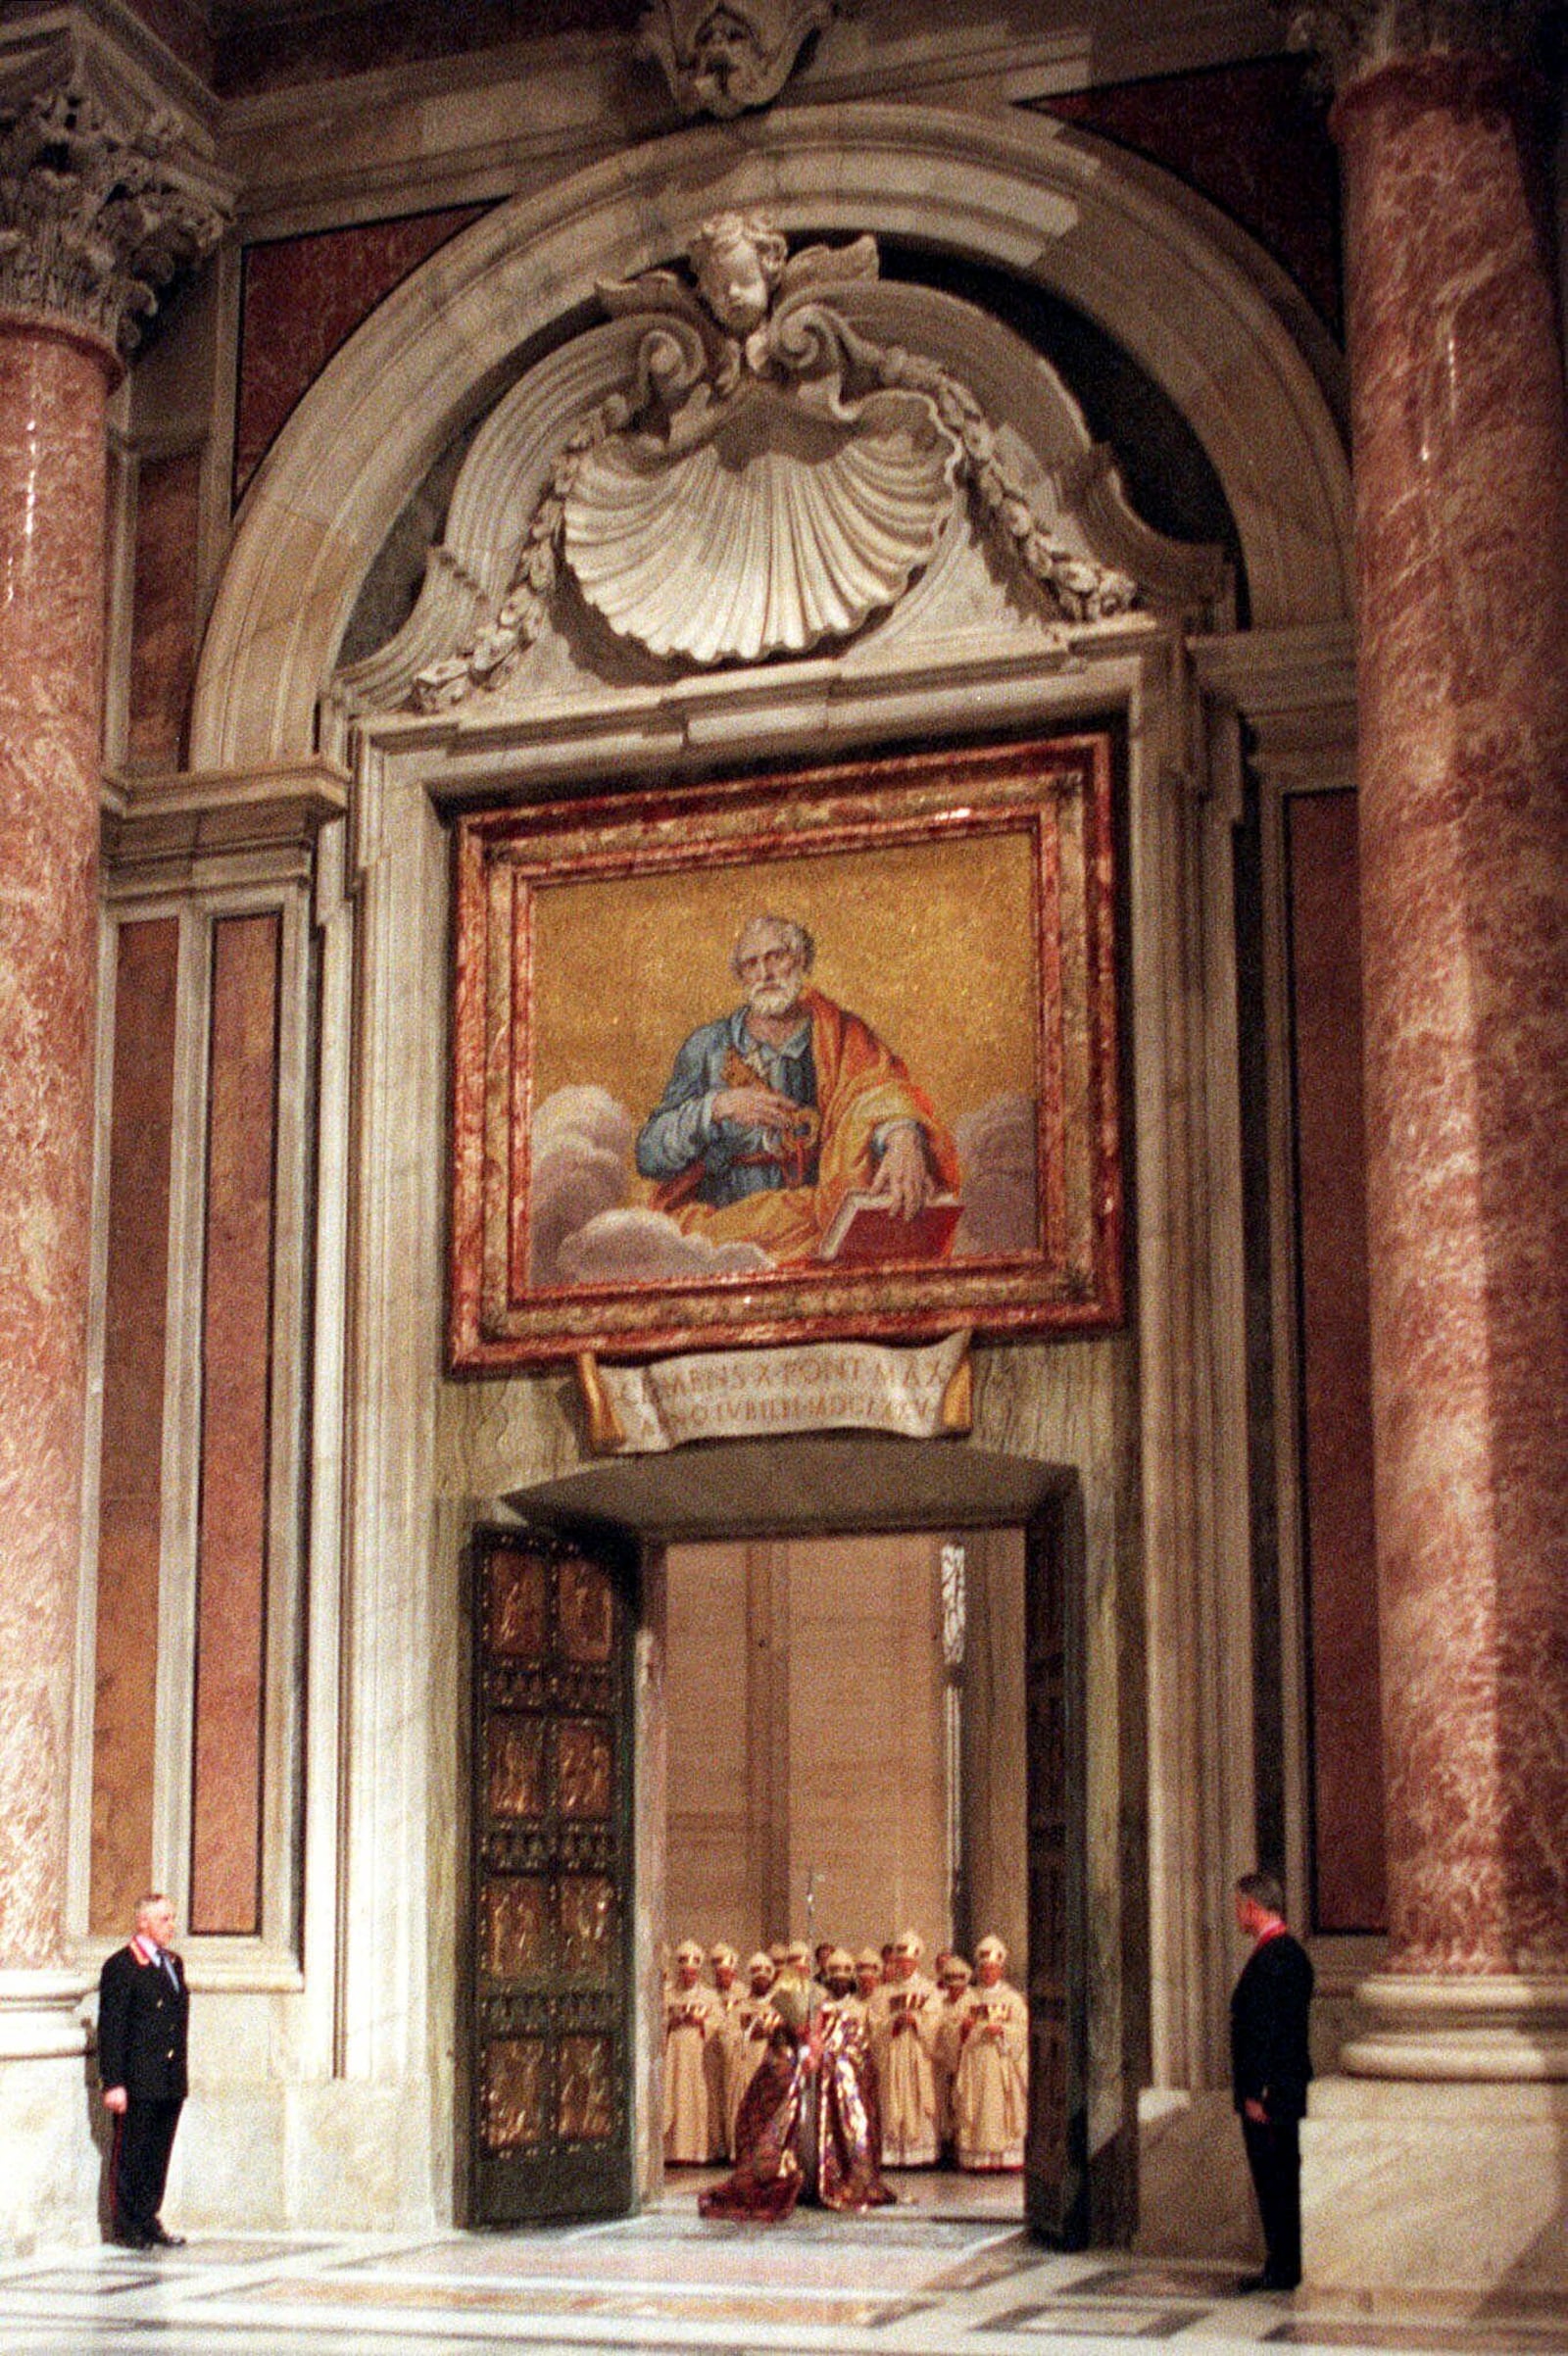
[(549, 2049)]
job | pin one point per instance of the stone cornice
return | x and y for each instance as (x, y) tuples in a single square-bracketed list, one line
[(1295, 690), (1307, 668), (165, 77), (107, 184), (160, 831), (1357, 37), (784, 713), (489, 123)]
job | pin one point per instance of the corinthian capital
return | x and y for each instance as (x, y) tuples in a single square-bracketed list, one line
[(107, 182), (1356, 36)]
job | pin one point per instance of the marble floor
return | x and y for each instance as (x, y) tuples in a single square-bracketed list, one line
[(907, 2282)]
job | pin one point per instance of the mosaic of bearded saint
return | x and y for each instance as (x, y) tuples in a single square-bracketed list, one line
[(779, 1126), (779, 1112)]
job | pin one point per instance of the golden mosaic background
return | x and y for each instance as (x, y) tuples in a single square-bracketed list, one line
[(932, 944)]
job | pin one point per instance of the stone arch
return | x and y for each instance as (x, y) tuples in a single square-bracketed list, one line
[(1031, 197)]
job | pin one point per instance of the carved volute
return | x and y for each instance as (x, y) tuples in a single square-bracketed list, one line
[(757, 460)]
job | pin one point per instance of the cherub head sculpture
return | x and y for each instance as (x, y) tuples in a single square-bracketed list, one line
[(739, 259), (724, 56)]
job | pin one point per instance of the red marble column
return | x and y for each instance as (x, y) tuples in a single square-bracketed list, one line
[(53, 389), (1461, 480)]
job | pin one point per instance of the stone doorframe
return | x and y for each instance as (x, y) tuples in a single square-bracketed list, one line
[(1153, 1422), (840, 1484)]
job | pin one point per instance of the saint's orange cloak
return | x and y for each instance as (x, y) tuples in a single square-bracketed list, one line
[(859, 1085)]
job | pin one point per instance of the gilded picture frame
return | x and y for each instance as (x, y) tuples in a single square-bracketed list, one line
[(945, 922)]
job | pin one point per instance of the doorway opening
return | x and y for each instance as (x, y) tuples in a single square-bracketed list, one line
[(928, 1668), (847, 1761)]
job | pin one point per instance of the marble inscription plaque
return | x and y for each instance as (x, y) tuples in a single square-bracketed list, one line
[(815, 1387)]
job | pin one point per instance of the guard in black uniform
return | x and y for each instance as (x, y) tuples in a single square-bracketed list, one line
[(143, 2011), (1271, 2068)]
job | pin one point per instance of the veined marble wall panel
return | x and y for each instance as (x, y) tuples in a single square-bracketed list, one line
[(201, 1206), (1252, 136), (1298, 696), (163, 615), (1347, 1877), (236, 1405), (302, 298), (130, 1480)]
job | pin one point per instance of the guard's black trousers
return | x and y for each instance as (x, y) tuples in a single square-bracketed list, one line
[(138, 2165), (1274, 2155)]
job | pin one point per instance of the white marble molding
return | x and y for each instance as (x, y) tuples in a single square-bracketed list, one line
[(781, 574), (1028, 196)]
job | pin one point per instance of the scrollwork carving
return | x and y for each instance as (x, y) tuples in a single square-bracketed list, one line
[(104, 194), (769, 479), (721, 57)]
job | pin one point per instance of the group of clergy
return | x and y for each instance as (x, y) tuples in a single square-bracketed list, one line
[(950, 2053)]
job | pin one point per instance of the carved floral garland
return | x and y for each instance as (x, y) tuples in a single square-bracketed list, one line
[(758, 355)]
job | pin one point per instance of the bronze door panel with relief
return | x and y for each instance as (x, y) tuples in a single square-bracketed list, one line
[(550, 1980)]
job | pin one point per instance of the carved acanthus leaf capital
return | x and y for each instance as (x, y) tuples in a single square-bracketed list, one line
[(1358, 37), (106, 188), (721, 57)]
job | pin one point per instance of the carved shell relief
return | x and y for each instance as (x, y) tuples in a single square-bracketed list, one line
[(790, 522), (767, 476)]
